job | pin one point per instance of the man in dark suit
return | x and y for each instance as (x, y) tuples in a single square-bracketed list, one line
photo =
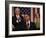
[(17, 20), (28, 24)]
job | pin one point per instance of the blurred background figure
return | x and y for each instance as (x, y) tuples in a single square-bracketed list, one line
[(17, 20), (37, 18)]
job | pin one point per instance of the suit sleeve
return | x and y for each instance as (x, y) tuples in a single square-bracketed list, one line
[(33, 27)]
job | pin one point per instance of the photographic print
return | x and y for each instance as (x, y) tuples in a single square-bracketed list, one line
[(24, 18)]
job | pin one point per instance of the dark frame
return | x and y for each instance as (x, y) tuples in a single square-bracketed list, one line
[(7, 17)]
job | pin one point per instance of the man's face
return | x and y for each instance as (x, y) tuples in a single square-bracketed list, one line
[(17, 11), (26, 17)]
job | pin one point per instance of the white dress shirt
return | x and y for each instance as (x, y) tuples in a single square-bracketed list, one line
[(17, 16), (28, 24), (18, 19)]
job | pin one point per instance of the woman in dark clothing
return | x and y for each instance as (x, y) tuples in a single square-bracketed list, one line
[(17, 20)]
